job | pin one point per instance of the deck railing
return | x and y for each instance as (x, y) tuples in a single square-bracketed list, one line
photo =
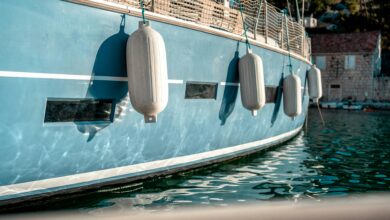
[(265, 23)]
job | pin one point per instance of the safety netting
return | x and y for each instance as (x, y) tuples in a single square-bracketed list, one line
[(263, 21)]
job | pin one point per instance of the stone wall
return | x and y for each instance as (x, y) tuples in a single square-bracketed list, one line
[(342, 84), (362, 83), (382, 89)]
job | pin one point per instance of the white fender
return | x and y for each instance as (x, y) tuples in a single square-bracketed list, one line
[(315, 83), (147, 72), (252, 87), (292, 95)]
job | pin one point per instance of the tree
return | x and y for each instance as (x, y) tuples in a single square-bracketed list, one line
[(353, 5)]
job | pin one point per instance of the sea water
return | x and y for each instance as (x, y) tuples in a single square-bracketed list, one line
[(347, 157)]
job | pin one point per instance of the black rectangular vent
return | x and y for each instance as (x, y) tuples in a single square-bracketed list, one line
[(85, 110), (271, 93), (335, 86), (201, 90)]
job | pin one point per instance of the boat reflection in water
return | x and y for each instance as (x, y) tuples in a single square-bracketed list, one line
[(351, 155)]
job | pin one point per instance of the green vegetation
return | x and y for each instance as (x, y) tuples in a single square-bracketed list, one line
[(349, 16), (359, 16)]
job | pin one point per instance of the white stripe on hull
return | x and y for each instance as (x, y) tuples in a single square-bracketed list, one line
[(229, 84), (133, 169), (13, 74), (32, 75)]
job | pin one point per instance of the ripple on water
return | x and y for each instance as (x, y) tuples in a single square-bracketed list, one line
[(350, 155)]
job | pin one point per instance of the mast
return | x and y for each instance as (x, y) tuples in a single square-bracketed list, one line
[(298, 14), (303, 12), (289, 8)]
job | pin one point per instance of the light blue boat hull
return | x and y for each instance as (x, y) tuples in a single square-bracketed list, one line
[(51, 48)]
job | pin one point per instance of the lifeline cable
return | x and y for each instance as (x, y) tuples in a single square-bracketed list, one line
[(288, 42), (306, 121), (248, 46), (141, 2), (319, 111)]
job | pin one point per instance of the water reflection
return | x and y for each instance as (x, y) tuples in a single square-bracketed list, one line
[(351, 155)]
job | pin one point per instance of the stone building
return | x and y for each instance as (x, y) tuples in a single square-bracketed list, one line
[(350, 65)]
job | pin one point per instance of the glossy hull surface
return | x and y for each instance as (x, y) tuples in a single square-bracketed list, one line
[(60, 50)]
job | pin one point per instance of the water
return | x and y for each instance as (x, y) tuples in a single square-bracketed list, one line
[(350, 156)]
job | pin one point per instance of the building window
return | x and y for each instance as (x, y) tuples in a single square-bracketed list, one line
[(321, 62), (201, 90), (350, 62)]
